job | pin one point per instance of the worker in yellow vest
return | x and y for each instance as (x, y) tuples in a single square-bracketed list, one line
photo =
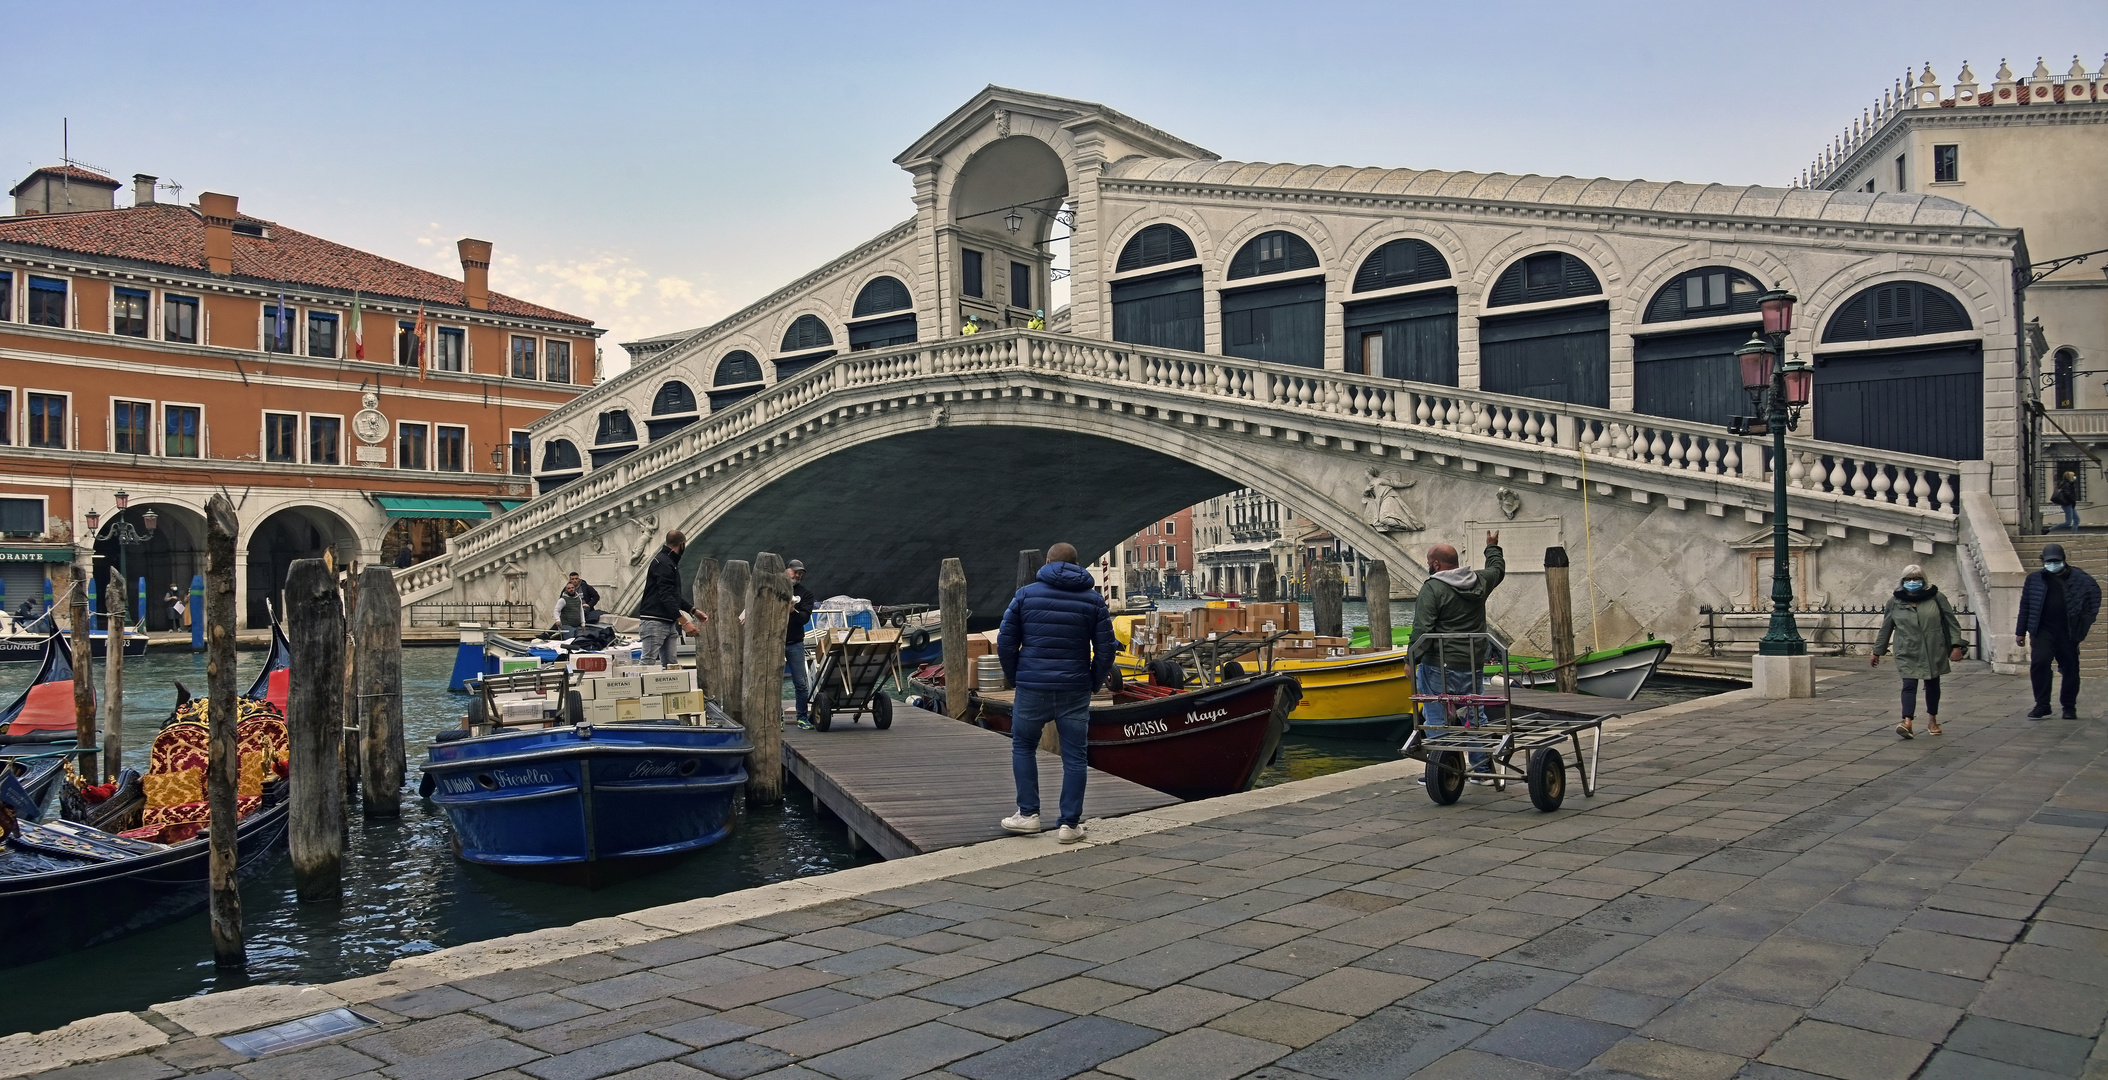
[(1038, 321), (973, 325)]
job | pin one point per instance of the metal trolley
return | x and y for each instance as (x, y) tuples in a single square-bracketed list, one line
[(1484, 747), (850, 679)]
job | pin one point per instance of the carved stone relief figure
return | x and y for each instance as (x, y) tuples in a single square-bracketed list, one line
[(1509, 502), (1383, 504), (647, 529)]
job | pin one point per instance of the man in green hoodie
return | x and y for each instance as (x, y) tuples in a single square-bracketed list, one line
[(1452, 601)]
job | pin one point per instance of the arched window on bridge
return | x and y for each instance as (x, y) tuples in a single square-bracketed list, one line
[(1914, 397), (672, 409), (738, 376), (614, 436), (807, 342), (1279, 322), (560, 465), (1556, 354), (1162, 309), (878, 297), (1406, 336), (1690, 373)]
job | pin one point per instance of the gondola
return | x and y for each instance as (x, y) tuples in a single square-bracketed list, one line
[(1195, 744), (273, 683), (22, 646), (38, 728)]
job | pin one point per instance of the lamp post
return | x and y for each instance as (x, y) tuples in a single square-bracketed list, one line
[(1778, 391), (122, 532)]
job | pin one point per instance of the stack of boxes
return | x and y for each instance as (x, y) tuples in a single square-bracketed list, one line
[(634, 693)]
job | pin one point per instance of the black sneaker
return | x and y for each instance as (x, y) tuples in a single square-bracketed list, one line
[(2071, 714), (2038, 712)]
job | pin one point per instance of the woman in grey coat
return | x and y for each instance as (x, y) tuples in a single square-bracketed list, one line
[(1926, 635)]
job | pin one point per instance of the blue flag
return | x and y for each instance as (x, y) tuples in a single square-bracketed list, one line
[(284, 331)]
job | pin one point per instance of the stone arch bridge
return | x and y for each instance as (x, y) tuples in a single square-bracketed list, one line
[(882, 462)]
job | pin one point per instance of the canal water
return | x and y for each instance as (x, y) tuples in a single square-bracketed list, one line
[(405, 893)]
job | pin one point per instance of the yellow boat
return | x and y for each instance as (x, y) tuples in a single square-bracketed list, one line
[(1343, 696)]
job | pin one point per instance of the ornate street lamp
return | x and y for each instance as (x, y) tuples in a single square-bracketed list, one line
[(1778, 392), (122, 532)]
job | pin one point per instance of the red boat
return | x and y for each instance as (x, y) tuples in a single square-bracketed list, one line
[(1195, 744)]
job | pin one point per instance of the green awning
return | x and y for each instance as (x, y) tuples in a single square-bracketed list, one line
[(397, 507), (36, 554), (509, 504)]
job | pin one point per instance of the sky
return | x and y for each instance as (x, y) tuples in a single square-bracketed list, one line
[(656, 166)]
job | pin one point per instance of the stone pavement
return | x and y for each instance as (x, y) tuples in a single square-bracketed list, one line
[(1761, 889)]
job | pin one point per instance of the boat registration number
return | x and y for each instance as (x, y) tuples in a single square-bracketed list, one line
[(1146, 727)]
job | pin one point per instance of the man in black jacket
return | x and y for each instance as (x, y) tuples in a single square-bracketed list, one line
[(665, 608), (794, 639), (2057, 605)]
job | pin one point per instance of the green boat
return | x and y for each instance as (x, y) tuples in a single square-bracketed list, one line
[(1612, 673)]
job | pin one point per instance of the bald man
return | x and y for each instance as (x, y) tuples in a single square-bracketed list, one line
[(1056, 646), (1452, 601)]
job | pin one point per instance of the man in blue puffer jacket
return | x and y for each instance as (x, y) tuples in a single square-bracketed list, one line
[(1057, 646)]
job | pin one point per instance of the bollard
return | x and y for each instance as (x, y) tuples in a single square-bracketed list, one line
[(707, 657), (1326, 593), (1028, 563), (951, 606), (1376, 588), (314, 719), (197, 613), (1560, 596), (1270, 585), (761, 677), (735, 586), (78, 620), (223, 755), (113, 682), (379, 629)]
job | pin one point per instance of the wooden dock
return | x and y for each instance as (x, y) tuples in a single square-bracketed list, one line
[(930, 782)]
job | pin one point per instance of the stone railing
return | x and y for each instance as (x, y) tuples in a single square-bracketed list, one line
[(1360, 407), (424, 579)]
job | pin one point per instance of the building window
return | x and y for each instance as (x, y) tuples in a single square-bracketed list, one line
[(132, 427), (523, 358), (406, 344), (1869, 187), (410, 446), (2066, 374), (22, 517), (1901, 309), (322, 334), (324, 440), (880, 295), (1946, 163), (1171, 528), (47, 302), (179, 319), (7, 297), (1020, 285), (7, 418), (1902, 175), (47, 421), (970, 273), (278, 328), (1703, 293), (556, 361), (128, 308), (450, 449), (1398, 264), (449, 349), (522, 456), (1550, 275), (180, 428), (282, 437), (1272, 253)]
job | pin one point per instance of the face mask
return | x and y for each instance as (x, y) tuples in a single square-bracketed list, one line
[(2053, 567), (1913, 586)]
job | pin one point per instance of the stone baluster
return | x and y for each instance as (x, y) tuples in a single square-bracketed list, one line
[(1883, 486), (1946, 496), (1839, 479), (1859, 480), (1713, 457), (1796, 470), (1920, 490)]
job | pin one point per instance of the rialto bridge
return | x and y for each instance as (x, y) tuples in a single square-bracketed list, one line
[(1551, 357)]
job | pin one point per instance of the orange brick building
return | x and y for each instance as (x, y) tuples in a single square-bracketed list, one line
[(172, 351)]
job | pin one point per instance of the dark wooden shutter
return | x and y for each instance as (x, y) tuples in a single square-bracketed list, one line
[(1258, 255), (1672, 302), (1691, 377), (1162, 310), (1280, 324), (1559, 355), (1419, 335), (1400, 263), (559, 455), (787, 368), (674, 397), (1020, 285), (880, 296), (1550, 275), (1914, 401), (808, 332), (738, 366), (879, 333), (615, 427), (1899, 309), (1154, 246)]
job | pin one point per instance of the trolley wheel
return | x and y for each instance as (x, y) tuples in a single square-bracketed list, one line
[(1232, 671), (574, 707), (916, 638), (1445, 777), (478, 712), (1547, 773), (1167, 673), (821, 709), (881, 711)]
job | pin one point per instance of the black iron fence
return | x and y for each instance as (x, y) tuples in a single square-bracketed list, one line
[(1830, 631), (512, 615)]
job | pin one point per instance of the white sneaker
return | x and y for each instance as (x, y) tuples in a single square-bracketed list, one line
[(1021, 823), (1069, 834)]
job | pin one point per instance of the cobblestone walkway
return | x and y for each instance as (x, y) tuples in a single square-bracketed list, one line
[(1761, 889)]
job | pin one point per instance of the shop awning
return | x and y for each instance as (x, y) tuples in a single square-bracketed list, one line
[(508, 505), (36, 554), (399, 507)]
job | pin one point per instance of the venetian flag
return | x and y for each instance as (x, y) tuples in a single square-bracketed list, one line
[(358, 329), (282, 333), (419, 334)]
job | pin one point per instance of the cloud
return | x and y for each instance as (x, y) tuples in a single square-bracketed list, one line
[(630, 300)]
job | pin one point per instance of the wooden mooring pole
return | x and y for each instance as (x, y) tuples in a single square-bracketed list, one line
[(348, 714), (761, 677), (1327, 591), (1028, 563), (113, 681), (1376, 588), (707, 658), (735, 586), (1560, 596), (78, 619), (1270, 585), (223, 747), (379, 629), (951, 609), (314, 625)]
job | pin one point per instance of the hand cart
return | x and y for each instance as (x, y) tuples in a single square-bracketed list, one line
[(854, 664), (1484, 745), (1201, 663)]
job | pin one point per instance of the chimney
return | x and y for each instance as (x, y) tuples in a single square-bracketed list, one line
[(143, 189), (219, 212), (475, 272)]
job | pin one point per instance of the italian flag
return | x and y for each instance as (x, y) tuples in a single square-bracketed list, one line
[(358, 329)]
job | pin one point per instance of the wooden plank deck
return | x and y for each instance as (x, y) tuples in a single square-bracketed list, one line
[(931, 782)]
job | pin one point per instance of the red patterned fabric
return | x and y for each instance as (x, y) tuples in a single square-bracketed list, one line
[(175, 780)]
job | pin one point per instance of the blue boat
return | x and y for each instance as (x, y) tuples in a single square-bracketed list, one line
[(587, 802)]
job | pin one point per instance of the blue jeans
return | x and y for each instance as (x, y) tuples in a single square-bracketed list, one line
[(801, 680), (1070, 710), (1436, 679), (2071, 518), (660, 638)]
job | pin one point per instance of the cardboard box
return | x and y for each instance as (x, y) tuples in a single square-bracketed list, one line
[(628, 709), (588, 689), (978, 645), (680, 704), (631, 671), (600, 712), (521, 712), (652, 707), (618, 689), (593, 663), (1217, 621), (674, 681), (1283, 616), (509, 664)]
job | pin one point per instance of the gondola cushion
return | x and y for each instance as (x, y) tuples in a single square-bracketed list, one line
[(175, 782)]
